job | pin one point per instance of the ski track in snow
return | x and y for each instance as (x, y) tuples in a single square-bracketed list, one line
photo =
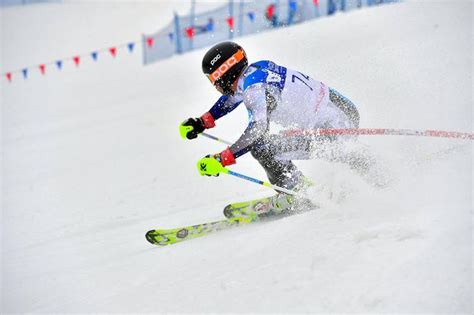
[(92, 159)]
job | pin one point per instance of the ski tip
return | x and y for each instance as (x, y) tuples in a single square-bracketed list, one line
[(228, 211), (152, 237), (149, 236)]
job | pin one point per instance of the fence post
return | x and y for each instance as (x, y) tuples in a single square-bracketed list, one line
[(277, 13), (144, 49), (288, 20), (231, 15), (331, 7), (305, 11), (316, 8), (241, 17), (177, 30), (192, 17)]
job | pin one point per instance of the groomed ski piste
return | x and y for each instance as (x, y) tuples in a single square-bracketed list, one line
[(92, 159)]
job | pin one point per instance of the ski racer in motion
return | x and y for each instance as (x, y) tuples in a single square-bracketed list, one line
[(274, 96)]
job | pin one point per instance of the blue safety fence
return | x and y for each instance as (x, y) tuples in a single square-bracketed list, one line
[(238, 18), (8, 3)]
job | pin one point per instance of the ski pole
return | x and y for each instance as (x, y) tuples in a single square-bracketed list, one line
[(210, 166), (260, 182), (242, 176), (215, 138)]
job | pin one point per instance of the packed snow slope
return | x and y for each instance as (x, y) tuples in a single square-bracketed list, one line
[(92, 159)]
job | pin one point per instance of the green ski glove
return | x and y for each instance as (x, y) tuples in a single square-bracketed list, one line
[(209, 166), (191, 127)]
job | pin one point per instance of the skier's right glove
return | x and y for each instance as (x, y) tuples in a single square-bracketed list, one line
[(191, 127)]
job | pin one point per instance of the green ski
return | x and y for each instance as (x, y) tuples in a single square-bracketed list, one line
[(171, 236), (237, 214)]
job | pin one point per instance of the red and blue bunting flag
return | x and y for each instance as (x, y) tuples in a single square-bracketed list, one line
[(210, 25), (251, 16), (77, 60), (149, 41), (230, 22), (189, 32), (113, 51)]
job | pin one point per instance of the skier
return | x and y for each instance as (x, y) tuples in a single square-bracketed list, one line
[(273, 95)]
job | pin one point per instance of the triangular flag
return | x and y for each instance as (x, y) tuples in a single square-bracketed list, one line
[(94, 55), (9, 76), (113, 51), (210, 25), (77, 59), (59, 64), (131, 46), (149, 41), (189, 32), (251, 16), (171, 37), (270, 11), (230, 22), (42, 69), (25, 73), (315, 2), (293, 5)]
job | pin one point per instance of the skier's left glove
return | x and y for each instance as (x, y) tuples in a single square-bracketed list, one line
[(213, 165)]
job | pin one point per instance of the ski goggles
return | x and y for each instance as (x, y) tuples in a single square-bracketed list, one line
[(226, 66)]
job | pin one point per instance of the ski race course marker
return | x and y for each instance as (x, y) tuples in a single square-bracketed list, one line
[(367, 132), (381, 132)]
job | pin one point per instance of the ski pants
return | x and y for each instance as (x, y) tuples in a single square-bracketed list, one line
[(275, 152)]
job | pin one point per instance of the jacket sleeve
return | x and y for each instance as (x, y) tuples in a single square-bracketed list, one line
[(224, 105), (255, 101)]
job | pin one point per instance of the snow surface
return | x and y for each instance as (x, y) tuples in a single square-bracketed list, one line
[(92, 159)]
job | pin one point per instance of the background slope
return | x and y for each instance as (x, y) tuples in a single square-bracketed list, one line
[(92, 159)]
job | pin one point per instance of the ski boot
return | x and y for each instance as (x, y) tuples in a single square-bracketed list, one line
[(277, 204), (259, 208), (283, 203)]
